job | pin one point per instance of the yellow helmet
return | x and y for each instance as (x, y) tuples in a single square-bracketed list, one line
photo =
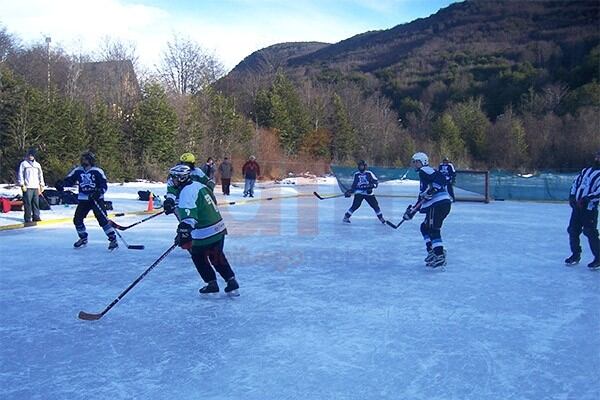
[(187, 158)]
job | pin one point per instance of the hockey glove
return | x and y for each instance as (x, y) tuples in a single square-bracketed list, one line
[(572, 201), (348, 193), (59, 185), (169, 206), (184, 236), (408, 214), (95, 195)]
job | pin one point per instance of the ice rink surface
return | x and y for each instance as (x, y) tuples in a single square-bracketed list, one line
[(327, 311)]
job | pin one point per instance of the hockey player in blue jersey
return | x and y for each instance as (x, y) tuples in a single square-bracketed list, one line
[(435, 204), (584, 198), (362, 187), (447, 169), (92, 186)]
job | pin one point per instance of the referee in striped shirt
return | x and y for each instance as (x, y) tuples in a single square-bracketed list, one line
[(584, 198)]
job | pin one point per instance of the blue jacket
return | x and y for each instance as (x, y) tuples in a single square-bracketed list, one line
[(433, 181), (88, 181), (364, 183), (448, 171)]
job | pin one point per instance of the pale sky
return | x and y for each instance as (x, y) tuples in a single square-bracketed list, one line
[(232, 29)]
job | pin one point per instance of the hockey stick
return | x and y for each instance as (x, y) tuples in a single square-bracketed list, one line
[(129, 246), (327, 196), (414, 208), (124, 228), (93, 317)]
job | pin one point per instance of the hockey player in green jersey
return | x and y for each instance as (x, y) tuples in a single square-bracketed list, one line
[(196, 174), (202, 229)]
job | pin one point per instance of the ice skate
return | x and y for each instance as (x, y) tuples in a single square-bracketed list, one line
[(82, 242), (594, 265), (112, 244), (573, 259), (346, 220), (439, 260), (430, 256), (209, 289), (232, 287)]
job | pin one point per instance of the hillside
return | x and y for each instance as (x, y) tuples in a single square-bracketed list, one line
[(466, 49)]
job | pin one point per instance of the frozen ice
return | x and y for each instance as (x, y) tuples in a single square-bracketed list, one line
[(327, 310)]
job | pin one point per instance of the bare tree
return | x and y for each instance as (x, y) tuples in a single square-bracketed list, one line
[(8, 44), (112, 49), (187, 68)]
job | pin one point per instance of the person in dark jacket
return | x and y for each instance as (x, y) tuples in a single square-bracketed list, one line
[(209, 169), (447, 169), (583, 199), (92, 186), (251, 171), (226, 172)]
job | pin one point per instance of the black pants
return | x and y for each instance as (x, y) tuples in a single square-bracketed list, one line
[(450, 189), (431, 228), (225, 182), (82, 210), (585, 221), (358, 199), (31, 204), (213, 254)]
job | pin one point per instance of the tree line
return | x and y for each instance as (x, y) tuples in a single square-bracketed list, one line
[(175, 110)]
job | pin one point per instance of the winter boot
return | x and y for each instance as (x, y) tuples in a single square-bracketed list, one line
[(594, 265), (573, 259), (112, 242), (82, 242), (232, 287), (211, 287)]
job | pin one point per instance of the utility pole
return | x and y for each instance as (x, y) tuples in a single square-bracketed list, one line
[(48, 40)]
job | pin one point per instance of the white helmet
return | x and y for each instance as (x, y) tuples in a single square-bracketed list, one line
[(180, 174), (421, 157)]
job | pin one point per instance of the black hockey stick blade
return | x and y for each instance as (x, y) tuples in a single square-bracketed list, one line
[(331, 196), (136, 246), (89, 317), (389, 223)]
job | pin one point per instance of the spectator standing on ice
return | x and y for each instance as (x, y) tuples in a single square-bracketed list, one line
[(209, 169), (226, 173), (202, 230), (31, 180), (583, 199), (251, 171), (92, 186), (362, 188), (435, 204), (447, 169)]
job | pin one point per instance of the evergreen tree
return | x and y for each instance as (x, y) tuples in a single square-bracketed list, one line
[(448, 136), (155, 124), (473, 125), (105, 140), (344, 135)]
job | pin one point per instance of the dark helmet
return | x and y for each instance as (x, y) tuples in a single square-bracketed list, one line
[(362, 163), (91, 157)]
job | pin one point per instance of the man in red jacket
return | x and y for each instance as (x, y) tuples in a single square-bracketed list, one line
[(251, 171)]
